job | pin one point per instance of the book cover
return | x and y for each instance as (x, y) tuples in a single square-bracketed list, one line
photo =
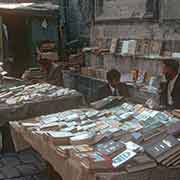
[(110, 148), (123, 158), (84, 138)]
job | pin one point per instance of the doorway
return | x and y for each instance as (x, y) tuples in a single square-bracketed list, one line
[(18, 46)]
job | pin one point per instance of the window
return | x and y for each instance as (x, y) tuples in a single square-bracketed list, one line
[(152, 8), (99, 7)]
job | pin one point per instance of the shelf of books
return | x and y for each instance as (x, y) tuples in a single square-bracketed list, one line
[(128, 54), (120, 141)]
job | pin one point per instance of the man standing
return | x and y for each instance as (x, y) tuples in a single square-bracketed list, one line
[(170, 90), (114, 86)]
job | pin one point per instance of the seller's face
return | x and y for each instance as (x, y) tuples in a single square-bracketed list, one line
[(168, 72), (114, 83)]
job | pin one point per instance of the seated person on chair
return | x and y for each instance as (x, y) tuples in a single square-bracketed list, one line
[(114, 87), (53, 72), (169, 92)]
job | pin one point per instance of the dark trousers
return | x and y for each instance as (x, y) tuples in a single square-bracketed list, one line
[(7, 142)]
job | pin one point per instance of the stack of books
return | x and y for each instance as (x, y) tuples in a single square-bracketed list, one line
[(139, 163), (36, 92), (107, 102), (165, 151), (176, 113)]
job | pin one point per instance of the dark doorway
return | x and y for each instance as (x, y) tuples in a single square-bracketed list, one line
[(18, 43)]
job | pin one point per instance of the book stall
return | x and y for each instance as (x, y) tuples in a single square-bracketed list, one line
[(125, 141), (8, 81), (88, 85), (140, 62), (26, 101)]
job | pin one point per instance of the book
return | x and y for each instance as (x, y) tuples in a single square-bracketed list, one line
[(106, 102), (29, 124), (111, 148), (155, 47), (84, 148), (131, 126), (177, 163), (174, 129), (162, 148), (128, 47), (94, 160), (49, 119), (176, 157), (143, 47), (58, 137), (176, 113), (152, 133), (80, 149), (139, 163), (171, 158), (133, 146), (119, 46), (113, 45), (86, 127), (65, 150), (125, 47), (84, 138), (48, 127), (122, 158), (137, 137)]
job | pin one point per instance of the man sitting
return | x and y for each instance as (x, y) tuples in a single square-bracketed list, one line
[(114, 86), (53, 72), (170, 90)]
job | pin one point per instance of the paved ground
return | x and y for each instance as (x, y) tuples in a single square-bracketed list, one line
[(26, 165)]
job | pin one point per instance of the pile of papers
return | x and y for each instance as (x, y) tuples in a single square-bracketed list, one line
[(32, 93), (119, 137)]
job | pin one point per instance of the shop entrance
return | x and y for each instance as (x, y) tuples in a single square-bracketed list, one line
[(16, 45)]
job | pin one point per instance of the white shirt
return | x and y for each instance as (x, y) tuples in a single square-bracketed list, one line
[(170, 90), (113, 90)]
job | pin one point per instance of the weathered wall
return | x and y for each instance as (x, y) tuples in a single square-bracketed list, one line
[(124, 19), (78, 19), (127, 19), (136, 30), (120, 8)]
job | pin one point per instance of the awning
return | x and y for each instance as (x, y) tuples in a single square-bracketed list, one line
[(31, 8)]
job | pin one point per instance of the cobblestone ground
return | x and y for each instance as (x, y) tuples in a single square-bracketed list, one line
[(26, 165)]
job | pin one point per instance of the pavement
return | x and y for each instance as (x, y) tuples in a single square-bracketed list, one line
[(25, 165)]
